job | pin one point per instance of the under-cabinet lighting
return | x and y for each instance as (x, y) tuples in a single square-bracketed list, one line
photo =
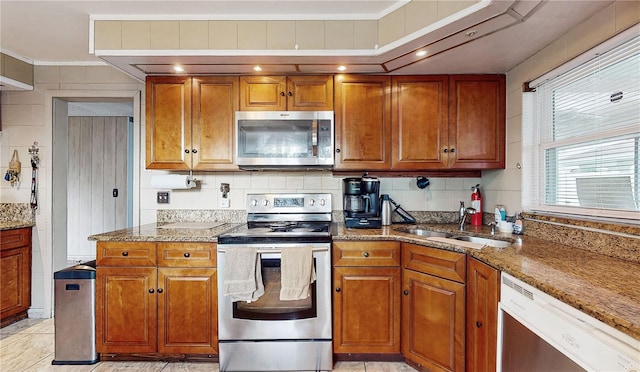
[(342, 68), (178, 69), (257, 68), (421, 53)]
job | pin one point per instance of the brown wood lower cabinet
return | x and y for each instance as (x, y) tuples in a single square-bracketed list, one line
[(366, 298), (483, 286), (144, 308), (433, 308), (15, 274)]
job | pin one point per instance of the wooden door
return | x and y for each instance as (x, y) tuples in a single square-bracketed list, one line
[(97, 179), (477, 121), (215, 101), (433, 321), (126, 309), (168, 123), (420, 122), (187, 310), (366, 315), (363, 122), (483, 283), (260, 93), (310, 93)]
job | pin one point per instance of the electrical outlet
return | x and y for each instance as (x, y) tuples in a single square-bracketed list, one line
[(163, 197), (225, 203)]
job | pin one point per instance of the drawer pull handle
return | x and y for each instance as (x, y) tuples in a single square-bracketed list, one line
[(187, 255), (366, 254), (151, 290), (125, 254)]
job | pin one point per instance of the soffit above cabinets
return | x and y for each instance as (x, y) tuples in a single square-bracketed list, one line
[(466, 26)]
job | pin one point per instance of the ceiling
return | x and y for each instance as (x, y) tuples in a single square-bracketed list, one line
[(509, 31)]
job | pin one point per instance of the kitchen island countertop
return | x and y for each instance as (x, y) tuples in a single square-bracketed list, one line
[(603, 287)]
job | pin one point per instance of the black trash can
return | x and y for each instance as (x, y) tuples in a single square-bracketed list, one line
[(75, 315)]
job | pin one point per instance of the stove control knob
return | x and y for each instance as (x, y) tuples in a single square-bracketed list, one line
[(254, 202), (265, 202), (312, 202), (322, 202)]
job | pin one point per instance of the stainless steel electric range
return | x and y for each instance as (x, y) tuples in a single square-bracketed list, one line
[(270, 334)]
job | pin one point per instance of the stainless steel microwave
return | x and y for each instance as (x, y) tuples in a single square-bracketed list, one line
[(284, 139)]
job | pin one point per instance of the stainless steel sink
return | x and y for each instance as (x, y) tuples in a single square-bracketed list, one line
[(486, 241), (425, 232)]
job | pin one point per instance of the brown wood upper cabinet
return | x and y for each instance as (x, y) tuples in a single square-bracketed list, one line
[(362, 122), (190, 121), (281, 93), (452, 122)]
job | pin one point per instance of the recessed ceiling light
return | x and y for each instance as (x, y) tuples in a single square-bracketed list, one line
[(421, 53), (257, 68), (342, 68), (178, 68)]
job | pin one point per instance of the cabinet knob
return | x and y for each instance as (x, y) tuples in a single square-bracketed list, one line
[(289, 94), (194, 151), (186, 151), (446, 151), (159, 290), (406, 292), (125, 254), (478, 324), (282, 94), (338, 289), (338, 151), (151, 290), (453, 150), (366, 254), (187, 255)]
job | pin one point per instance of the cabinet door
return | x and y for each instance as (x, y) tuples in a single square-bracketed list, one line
[(187, 311), (482, 316), (126, 310), (215, 101), (477, 121), (366, 310), (260, 93), (168, 123), (310, 93), (363, 122), (433, 321), (420, 122), (15, 281)]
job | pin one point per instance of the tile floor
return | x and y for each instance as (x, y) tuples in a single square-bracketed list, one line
[(28, 345)]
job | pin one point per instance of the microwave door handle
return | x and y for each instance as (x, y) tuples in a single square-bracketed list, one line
[(314, 137)]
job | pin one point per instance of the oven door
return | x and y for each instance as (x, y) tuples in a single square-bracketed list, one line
[(268, 318)]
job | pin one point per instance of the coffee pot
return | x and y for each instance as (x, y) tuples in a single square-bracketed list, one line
[(361, 197)]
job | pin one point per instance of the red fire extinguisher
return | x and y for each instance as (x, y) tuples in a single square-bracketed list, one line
[(476, 203)]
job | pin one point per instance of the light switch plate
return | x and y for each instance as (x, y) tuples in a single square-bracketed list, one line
[(163, 197)]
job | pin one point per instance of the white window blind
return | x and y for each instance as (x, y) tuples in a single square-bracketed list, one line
[(588, 122)]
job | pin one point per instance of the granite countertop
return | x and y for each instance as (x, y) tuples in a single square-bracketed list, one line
[(9, 225), (151, 232), (603, 287)]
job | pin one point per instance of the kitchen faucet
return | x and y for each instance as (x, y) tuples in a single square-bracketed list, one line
[(467, 212)]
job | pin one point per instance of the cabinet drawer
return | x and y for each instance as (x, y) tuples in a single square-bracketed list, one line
[(438, 262), (126, 254), (15, 238), (366, 253), (187, 254)]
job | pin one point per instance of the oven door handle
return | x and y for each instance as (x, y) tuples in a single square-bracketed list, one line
[(314, 137), (278, 251)]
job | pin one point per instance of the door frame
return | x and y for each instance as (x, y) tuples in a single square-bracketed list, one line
[(55, 233)]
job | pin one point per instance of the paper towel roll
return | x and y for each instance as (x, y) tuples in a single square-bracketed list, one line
[(173, 181)]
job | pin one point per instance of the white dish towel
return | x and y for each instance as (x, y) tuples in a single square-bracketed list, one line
[(297, 272), (242, 279)]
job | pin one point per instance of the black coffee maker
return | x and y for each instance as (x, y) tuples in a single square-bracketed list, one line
[(361, 199)]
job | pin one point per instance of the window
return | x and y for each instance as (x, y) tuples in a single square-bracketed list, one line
[(584, 143)]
